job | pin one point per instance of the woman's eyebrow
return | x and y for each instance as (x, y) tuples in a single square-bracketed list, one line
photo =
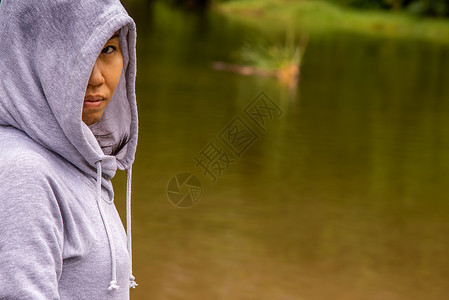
[(114, 36)]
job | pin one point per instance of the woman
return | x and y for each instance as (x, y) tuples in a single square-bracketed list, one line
[(68, 120)]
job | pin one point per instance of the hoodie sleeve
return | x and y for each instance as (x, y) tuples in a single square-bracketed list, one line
[(31, 234)]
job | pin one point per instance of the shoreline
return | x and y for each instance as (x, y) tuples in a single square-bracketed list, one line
[(316, 18)]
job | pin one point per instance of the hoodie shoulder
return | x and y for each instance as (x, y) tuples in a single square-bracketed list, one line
[(31, 226), (21, 156)]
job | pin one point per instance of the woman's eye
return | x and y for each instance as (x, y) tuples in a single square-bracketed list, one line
[(108, 50)]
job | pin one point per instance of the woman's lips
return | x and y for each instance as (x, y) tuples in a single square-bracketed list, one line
[(93, 101)]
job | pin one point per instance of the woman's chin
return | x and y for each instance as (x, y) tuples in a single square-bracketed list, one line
[(91, 119)]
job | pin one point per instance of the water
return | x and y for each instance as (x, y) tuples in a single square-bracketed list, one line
[(342, 197)]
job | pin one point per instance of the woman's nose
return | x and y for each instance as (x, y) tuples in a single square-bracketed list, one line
[(96, 77)]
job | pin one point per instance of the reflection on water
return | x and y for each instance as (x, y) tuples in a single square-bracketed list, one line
[(343, 197)]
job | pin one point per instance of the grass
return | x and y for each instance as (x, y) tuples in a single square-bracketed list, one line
[(279, 60), (271, 56), (319, 17)]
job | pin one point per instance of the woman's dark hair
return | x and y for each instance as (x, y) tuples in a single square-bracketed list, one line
[(107, 144)]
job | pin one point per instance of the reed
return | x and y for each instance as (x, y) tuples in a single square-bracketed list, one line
[(280, 60)]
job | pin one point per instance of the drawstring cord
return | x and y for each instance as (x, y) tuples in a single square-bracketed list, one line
[(113, 284), (132, 283)]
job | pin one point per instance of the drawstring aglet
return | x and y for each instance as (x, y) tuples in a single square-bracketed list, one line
[(132, 283), (113, 285)]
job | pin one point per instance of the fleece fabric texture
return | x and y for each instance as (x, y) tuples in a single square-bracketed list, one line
[(60, 234)]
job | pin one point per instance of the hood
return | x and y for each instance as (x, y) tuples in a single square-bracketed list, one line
[(47, 51)]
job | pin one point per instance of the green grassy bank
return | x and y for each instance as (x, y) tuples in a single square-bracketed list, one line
[(321, 17)]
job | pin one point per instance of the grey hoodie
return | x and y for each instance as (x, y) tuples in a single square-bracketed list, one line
[(60, 234)]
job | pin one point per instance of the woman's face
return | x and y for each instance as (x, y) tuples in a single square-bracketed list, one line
[(103, 80)]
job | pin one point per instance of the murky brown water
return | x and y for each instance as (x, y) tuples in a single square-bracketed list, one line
[(342, 197)]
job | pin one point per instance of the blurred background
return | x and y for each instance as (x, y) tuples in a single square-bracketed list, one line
[(343, 195)]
